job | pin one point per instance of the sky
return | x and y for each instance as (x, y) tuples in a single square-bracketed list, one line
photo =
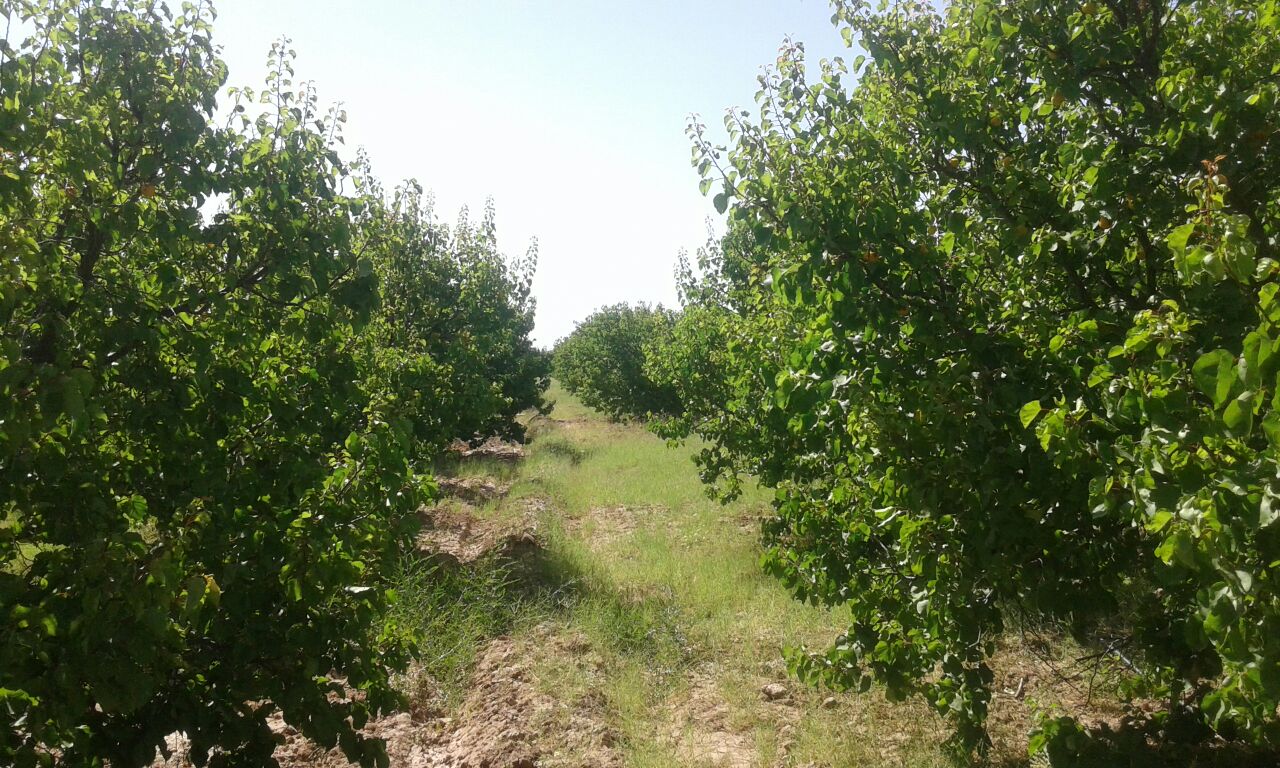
[(570, 114)]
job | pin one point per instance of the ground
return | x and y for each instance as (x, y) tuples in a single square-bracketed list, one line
[(587, 605)]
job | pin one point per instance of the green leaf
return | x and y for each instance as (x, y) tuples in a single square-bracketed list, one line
[(1268, 510), (1100, 375), (1215, 375), (1239, 415), (1271, 427), (1159, 521), (1255, 365), (1268, 307), (1177, 548), (1029, 413), (721, 202), (1177, 239)]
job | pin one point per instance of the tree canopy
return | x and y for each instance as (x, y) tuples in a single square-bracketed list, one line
[(603, 361), (996, 318)]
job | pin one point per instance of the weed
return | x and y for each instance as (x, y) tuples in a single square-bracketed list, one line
[(561, 447), (455, 610)]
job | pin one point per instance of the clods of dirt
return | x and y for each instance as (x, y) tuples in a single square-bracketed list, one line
[(702, 732), (493, 448), (473, 489), (603, 526), (505, 721), (491, 730), (458, 537)]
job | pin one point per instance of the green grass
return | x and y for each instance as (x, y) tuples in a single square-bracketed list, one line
[(665, 585), (676, 591), (455, 610), (566, 407)]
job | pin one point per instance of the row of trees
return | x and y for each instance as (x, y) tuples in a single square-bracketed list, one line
[(609, 360), (226, 359), (999, 323)]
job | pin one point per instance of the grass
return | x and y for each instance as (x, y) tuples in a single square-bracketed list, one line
[(665, 585), (696, 564), (455, 610)]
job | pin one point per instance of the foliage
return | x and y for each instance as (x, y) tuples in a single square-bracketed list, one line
[(212, 417), (603, 361), (451, 302), (1004, 341), (721, 359)]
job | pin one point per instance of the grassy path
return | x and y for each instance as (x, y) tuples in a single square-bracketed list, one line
[(657, 624)]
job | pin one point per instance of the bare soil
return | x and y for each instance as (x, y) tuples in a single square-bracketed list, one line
[(457, 535), (493, 448), (473, 489), (504, 722)]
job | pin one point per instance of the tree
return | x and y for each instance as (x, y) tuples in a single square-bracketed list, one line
[(722, 358), (603, 361), (212, 440), (1031, 256), (451, 301)]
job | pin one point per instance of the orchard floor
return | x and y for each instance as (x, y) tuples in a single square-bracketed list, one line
[(669, 637), (587, 606)]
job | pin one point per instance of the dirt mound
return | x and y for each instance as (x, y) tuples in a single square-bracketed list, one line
[(405, 739), (473, 489), (491, 730), (607, 525), (506, 721), (460, 537), (703, 730), (493, 448)]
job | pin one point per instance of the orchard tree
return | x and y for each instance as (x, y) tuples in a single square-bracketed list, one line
[(721, 359), (1031, 255), (603, 361), (211, 439), (454, 304)]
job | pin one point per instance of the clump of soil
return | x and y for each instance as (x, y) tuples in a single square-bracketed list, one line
[(702, 733), (505, 721), (608, 524), (508, 722), (458, 537), (473, 489), (493, 448), (703, 730)]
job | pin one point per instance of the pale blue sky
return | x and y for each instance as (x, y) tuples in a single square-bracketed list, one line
[(569, 113)]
